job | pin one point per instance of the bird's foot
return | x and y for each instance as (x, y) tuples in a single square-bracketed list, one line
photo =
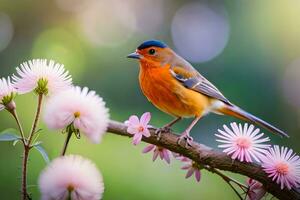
[(159, 131), (186, 138)]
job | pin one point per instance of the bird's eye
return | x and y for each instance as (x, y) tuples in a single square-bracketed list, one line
[(152, 51)]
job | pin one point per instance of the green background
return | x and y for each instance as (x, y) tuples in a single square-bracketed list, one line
[(264, 40)]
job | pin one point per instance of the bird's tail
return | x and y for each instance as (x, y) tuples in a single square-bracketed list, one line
[(237, 112)]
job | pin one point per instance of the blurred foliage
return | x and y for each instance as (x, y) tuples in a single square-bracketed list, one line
[(263, 41)]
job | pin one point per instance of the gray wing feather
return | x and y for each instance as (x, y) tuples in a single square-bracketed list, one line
[(197, 83)]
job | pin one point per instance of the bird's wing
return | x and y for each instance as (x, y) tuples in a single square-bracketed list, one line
[(192, 79)]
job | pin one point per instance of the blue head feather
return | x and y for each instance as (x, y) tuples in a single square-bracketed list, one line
[(152, 43)]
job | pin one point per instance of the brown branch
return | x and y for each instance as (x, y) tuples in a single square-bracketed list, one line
[(205, 155)]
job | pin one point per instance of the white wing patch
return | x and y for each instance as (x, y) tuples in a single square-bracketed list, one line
[(214, 107)]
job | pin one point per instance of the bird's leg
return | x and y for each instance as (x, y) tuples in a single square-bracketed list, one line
[(166, 128), (186, 134)]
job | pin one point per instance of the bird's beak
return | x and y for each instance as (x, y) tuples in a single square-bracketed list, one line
[(134, 55)]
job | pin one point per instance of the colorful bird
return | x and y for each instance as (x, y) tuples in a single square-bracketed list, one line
[(175, 87)]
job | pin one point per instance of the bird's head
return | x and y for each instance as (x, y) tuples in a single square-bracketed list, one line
[(152, 51)]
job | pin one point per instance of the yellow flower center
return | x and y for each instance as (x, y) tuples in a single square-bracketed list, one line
[(77, 114), (243, 142), (282, 168)]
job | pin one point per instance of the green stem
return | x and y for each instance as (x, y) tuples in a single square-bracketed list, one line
[(27, 147), (69, 134), (24, 195), (15, 115), (36, 120)]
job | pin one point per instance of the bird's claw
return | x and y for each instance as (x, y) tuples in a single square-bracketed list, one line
[(161, 130), (187, 139)]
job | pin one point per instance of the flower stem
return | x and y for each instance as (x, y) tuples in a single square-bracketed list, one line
[(36, 119), (27, 147), (15, 115), (25, 195), (69, 134)]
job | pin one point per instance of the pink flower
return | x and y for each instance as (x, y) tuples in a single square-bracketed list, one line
[(71, 177), (41, 76), (163, 153), (242, 143), (138, 128), (191, 167), (256, 190), (82, 108), (283, 166), (7, 92)]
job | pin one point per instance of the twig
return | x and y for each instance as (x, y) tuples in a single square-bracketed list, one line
[(228, 180), (204, 155)]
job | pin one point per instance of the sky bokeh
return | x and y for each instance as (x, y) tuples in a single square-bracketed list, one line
[(249, 49)]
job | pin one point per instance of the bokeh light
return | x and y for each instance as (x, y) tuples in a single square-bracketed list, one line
[(61, 46), (150, 21), (275, 25), (291, 84), (73, 5), (200, 31), (92, 38), (108, 25), (6, 31)]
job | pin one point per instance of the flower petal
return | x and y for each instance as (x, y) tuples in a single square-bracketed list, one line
[(197, 175), (132, 130), (134, 120), (137, 138), (146, 132), (166, 155), (148, 148), (155, 154), (145, 118), (190, 172)]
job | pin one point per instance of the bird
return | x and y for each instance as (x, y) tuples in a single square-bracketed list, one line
[(175, 87)]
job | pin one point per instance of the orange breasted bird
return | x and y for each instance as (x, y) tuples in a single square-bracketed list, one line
[(175, 87)]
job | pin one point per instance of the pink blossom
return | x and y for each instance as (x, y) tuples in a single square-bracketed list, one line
[(256, 190), (41, 76), (7, 92), (71, 176), (191, 167), (139, 128), (283, 166), (163, 153), (241, 143), (82, 108)]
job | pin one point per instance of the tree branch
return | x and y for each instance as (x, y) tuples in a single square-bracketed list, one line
[(205, 155)]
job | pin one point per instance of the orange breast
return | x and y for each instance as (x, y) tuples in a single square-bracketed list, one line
[(167, 94)]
